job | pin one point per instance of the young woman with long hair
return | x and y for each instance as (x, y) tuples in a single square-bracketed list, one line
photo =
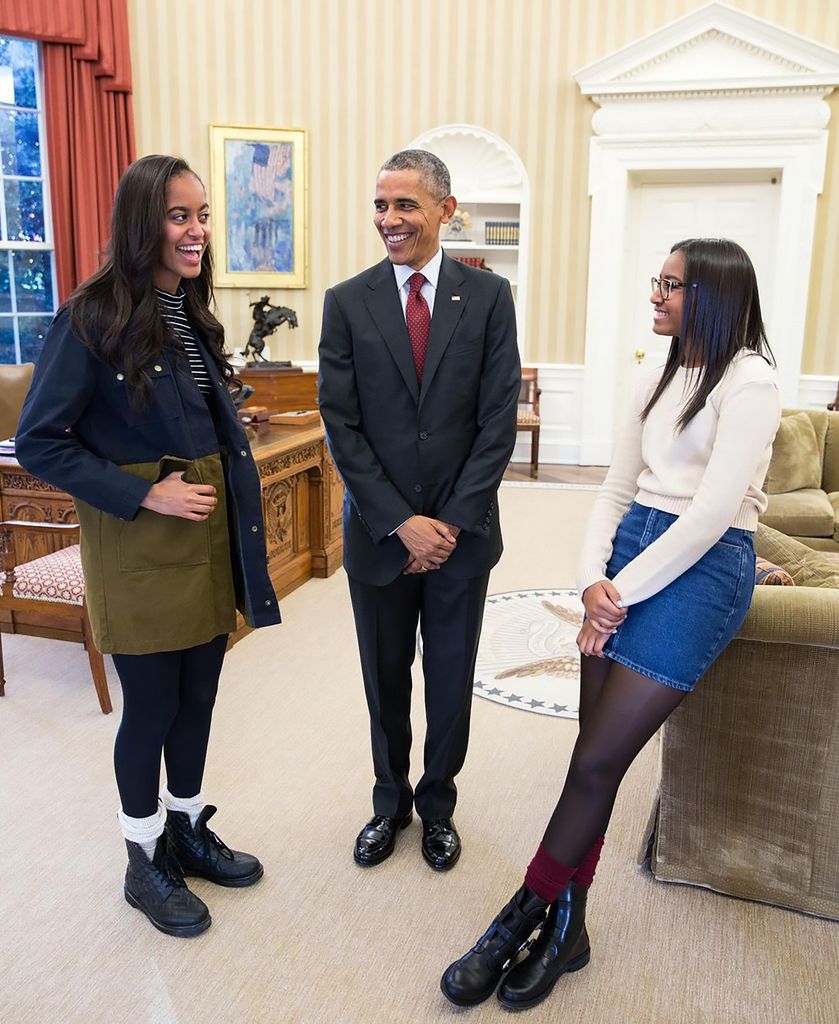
[(130, 412), (666, 573)]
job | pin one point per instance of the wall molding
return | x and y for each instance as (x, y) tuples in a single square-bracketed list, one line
[(815, 391)]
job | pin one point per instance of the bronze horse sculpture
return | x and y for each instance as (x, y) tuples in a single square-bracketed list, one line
[(267, 319)]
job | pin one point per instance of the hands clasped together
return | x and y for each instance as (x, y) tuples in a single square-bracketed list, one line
[(604, 614), (429, 543)]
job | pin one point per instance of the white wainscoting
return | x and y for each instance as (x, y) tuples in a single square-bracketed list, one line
[(562, 411), (561, 405), (815, 392)]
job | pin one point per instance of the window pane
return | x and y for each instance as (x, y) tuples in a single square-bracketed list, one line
[(33, 280), (5, 284), (7, 340), (24, 210), (20, 147), (19, 55), (32, 331)]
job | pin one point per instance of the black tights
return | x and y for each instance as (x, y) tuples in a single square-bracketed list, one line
[(619, 711), (167, 708)]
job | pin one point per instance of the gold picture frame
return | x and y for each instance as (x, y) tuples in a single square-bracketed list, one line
[(259, 199)]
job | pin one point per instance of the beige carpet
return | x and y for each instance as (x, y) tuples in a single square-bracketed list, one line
[(320, 941)]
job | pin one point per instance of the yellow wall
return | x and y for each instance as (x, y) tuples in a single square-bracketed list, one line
[(366, 76)]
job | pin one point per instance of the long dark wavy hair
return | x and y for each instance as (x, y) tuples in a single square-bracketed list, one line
[(115, 312), (721, 315)]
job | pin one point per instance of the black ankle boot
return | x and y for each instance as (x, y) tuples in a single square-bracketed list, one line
[(157, 887), (473, 977), (562, 946), (201, 853)]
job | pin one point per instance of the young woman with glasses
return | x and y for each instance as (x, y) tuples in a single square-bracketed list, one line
[(666, 572)]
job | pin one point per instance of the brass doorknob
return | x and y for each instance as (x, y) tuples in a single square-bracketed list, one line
[(639, 355)]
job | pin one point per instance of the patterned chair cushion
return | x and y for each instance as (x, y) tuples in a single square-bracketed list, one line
[(56, 577)]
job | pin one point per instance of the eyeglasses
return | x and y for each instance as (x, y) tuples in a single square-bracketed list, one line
[(665, 285)]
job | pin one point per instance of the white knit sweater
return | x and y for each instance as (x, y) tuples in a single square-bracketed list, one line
[(710, 474)]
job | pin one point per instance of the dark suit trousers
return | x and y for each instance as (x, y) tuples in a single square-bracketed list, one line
[(449, 613)]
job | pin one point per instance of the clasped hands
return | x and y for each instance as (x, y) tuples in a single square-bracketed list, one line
[(603, 616), (429, 543), (172, 496)]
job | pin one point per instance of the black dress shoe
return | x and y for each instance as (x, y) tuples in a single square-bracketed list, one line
[(440, 843), (561, 947), (474, 977), (377, 840), (157, 887), (201, 853)]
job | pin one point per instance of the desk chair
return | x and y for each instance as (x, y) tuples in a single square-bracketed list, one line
[(528, 413), (14, 383), (52, 583)]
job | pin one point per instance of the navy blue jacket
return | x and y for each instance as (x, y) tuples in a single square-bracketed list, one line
[(72, 388)]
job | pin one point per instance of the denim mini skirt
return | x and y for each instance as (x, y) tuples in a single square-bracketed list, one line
[(674, 635)]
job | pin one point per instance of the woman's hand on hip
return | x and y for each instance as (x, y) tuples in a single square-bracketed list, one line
[(591, 641), (602, 604), (173, 497)]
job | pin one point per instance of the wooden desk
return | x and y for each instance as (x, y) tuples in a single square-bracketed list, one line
[(281, 392), (302, 496)]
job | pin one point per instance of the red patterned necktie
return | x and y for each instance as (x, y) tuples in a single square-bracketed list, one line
[(418, 317)]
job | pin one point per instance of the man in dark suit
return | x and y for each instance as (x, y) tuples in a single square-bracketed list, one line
[(419, 381)]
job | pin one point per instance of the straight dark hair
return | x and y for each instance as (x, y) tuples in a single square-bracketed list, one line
[(115, 312), (721, 315)]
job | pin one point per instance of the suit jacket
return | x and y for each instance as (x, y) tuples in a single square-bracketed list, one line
[(439, 449)]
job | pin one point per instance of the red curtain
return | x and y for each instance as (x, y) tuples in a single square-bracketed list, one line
[(90, 122)]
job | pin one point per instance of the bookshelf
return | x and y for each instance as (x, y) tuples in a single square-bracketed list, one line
[(491, 185)]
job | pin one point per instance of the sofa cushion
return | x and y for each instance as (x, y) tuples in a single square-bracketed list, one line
[(807, 567), (796, 456), (807, 513)]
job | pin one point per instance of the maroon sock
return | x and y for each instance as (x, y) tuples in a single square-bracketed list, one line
[(546, 876), (586, 868)]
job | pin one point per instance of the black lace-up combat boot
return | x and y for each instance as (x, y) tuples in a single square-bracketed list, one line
[(157, 887), (201, 853)]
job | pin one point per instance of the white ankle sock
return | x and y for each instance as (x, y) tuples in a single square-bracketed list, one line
[(144, 831), (191, 805)]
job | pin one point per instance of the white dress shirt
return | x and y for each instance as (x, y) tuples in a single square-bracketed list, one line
[(403, 274), (431, 270)]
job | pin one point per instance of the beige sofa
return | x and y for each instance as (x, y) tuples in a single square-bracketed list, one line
[(749, 794), (802, 482)]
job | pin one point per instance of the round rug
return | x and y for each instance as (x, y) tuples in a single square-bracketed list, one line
[(527, 657)]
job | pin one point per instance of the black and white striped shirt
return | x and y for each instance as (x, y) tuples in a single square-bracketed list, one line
[(172, 311)]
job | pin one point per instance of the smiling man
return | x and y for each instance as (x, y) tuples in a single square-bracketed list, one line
[(419, 381)]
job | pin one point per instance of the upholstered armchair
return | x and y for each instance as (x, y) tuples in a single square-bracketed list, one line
[(749, 793)]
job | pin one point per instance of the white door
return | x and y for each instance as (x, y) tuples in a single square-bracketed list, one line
[(666, 213)]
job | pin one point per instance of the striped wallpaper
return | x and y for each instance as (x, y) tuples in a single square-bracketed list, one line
[(366, 76)]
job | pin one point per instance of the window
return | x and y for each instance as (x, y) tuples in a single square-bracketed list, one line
[(27, 272)]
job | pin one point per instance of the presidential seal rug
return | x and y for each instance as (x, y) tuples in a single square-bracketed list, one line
[(527, 657)]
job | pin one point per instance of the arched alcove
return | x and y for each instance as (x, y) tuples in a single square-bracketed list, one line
[(490, 182)]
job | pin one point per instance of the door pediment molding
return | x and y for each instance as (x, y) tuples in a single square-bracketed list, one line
[(713, 50)]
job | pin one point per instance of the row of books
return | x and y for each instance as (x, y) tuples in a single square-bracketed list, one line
[(501, 232)]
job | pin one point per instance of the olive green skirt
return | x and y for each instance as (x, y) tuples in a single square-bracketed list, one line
[(159, 583)]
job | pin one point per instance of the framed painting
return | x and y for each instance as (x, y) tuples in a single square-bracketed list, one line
[(259, 194)]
